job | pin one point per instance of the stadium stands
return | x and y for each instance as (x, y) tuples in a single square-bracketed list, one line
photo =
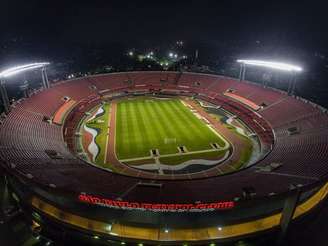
[(25, 136)]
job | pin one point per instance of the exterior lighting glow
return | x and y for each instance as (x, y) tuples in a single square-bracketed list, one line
[(109, 227), (175, 55), (171, 54), (95, 237), (130, 53), (220, 228), (271, 64), (18, 69), (166, 230)]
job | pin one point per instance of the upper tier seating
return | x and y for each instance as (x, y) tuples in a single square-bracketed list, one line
[(76, 89), (24, 136), (45, 102), (116, 81)]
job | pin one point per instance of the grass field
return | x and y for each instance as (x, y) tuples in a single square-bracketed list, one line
[(132, 127), (145, 123)]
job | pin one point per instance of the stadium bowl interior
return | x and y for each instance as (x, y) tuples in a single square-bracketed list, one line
[(59, 186)]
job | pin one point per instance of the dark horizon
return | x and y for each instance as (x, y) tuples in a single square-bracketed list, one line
[(80, 36), (51, 29)]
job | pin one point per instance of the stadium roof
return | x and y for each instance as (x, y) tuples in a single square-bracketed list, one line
[(272, 64), (18, 69)]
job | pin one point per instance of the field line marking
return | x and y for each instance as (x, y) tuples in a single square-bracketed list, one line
[(107, 138), (170, 155), (209, 125)]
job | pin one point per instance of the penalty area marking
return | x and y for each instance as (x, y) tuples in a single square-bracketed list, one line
[(208, 124)]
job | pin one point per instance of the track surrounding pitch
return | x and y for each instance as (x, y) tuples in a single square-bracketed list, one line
[(144, 124)]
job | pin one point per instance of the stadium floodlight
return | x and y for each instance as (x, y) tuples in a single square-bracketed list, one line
[(18, 69), (272, 64)]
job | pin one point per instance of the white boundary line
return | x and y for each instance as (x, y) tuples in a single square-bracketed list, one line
[(107, 138)]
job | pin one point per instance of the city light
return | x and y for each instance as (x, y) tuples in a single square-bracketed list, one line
[(18, 69), (271, 64), (171, 54), (130, 53)]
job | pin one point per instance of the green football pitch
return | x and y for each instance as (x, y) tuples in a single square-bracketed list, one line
[(163, 124)]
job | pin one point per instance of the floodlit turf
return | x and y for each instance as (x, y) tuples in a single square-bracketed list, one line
[(145, 123), (100, 124)]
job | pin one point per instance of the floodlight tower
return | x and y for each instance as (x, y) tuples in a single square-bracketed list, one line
[(273, 65), (242, 71), (45, 80), (4, 95), (16, 70)]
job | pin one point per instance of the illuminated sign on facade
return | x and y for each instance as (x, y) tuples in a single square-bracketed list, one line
[(157, 207)]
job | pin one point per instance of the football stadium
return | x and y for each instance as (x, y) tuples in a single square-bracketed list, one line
[(163, 157)]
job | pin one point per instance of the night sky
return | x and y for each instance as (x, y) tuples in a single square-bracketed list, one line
[(54, 26), (94, 32)]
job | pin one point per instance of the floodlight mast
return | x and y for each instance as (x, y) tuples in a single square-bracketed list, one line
[(16, 70), (4, 96), (272, 65)]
